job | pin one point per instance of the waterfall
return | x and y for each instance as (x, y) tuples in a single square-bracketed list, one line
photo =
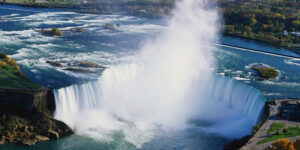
[(117, 96), (171, 82)]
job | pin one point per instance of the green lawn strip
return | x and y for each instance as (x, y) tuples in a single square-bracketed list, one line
[(275, 127), (20, 80), (291, 132), (7, 83), (29, 84), (10, 73)]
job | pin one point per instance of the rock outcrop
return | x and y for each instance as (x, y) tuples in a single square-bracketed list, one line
[(265, 72), (25, 117)]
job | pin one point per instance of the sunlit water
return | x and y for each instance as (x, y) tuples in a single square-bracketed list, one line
[(111, 48)]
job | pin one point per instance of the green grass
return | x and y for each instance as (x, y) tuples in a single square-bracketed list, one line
[(11, 78), (275, 127), (291, 132)]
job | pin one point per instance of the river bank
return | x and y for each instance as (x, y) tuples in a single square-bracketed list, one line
[(280, 121), (26, 108), (293, 49), (281, 34)]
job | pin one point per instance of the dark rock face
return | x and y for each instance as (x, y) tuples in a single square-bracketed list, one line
[(289, 110), (25, 117), (109, 26), (54, 63), (30, 130), (27, 102), (90, 64), (79, 70)]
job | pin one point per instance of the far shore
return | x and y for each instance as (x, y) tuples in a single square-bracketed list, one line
[(78, 9)]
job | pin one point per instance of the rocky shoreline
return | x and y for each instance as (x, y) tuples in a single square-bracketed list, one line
[(26, 117), (284, 111)]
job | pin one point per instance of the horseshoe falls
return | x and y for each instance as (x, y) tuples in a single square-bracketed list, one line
[(169, 86)]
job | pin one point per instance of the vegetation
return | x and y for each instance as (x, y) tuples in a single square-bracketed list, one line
[(283, 144), (275, 127), (285, 133), (270, 21), (11, 76), (44, 3), (266, 72), (52, 32), (297, 144), (80, 29), (56, 32)]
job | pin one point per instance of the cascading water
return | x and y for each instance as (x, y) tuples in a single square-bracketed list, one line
[(171, 82)]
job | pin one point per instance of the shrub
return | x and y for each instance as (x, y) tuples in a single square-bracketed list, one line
[(266, 72), (3, 64), (17, 67), (12, 62), (3, 55), (56, 32), (80, 29), (297, 144), (283, 144)]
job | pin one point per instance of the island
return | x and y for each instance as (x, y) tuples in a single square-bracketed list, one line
[(265, 72), (50, 32), (26, 108)]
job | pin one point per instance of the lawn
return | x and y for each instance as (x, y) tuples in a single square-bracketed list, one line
[(275, 127), (12, 78), (285, 133)]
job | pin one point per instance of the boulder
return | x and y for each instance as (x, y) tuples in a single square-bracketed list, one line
[(28, 142), (109, 26), (2, 140), (80, 30), (79, 70), (53, 134), (51, 32), (41, 138), (54, 63), (89, 64)]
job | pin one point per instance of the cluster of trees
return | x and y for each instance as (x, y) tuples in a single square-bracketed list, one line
[(11, 67), (7, 60), (143, 8), (270, 21), (286, 144)]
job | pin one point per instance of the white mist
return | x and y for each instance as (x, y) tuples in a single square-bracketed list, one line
[(169, 83)]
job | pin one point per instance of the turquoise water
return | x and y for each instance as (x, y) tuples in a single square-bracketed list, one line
[(109, 48)]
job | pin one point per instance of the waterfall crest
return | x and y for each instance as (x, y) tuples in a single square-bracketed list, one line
[(171, 82)]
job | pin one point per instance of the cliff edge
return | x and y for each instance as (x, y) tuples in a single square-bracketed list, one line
[(26, 108)]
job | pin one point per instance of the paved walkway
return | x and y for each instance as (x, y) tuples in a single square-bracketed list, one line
[(273, 118)]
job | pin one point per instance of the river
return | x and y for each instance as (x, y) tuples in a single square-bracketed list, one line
[(110, 48)]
